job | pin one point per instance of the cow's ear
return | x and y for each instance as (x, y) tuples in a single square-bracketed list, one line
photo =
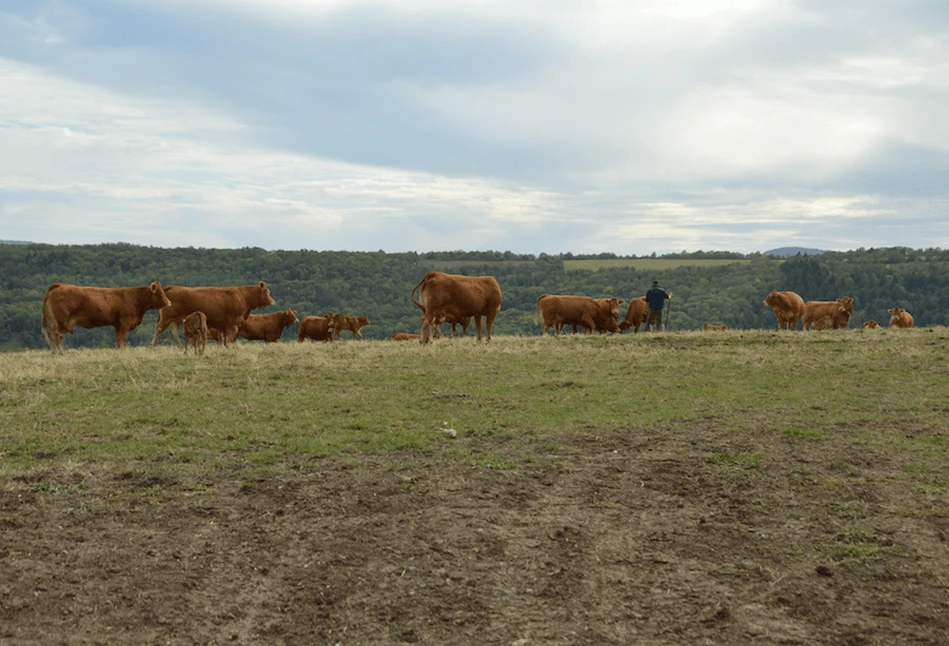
[(620, 301), (262, 285), (154, 287)]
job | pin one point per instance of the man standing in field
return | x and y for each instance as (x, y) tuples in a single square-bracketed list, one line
[(656, 300)]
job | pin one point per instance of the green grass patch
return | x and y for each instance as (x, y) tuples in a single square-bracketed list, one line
[(271, 406)]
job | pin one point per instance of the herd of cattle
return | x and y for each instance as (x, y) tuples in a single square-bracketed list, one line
[(225, 313), (789, 308)]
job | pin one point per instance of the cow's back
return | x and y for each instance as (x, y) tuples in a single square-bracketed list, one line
[(467, 295), (219, 304)]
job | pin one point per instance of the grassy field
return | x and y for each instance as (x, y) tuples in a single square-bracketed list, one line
[(270, 404), (755, 458)]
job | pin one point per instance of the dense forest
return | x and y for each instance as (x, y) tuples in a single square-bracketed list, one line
[(378, 284)]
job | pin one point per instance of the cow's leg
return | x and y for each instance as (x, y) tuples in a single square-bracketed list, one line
[(121, 337), (58, 345), (426, 326), (170, 325), (478, 326), (160, 326), (488, 323)]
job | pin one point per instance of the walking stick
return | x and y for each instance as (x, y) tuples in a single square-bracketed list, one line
[(668, 310)]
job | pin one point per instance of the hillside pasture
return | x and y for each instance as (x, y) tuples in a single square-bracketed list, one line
[(651, 264), (679, 488)]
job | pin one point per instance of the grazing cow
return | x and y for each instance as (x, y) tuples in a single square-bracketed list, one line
[(225, 307), (872, 325), (788, 308), (636, 314), (66, 306), (441, 294), (267, 327), (709, 327), (590, 313), (900, 317), (351, 323), (602, 323), (405, 336), (196, 332), (839, 312), (317, 328)]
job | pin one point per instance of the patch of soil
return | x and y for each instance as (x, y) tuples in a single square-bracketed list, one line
[(627, 538)]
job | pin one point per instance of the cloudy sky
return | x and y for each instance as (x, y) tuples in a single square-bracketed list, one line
[(512, 125)]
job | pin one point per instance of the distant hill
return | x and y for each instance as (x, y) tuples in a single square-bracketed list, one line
[(15, 242), (793, 251)]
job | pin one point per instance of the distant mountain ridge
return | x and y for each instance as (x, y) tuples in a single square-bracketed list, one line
[(793, 251)]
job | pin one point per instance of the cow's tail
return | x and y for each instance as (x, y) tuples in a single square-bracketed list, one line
[(420, 288), (537, 308), (46, 319)]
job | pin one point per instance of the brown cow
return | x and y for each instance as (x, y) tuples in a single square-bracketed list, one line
[(605, 323), (317, 328), (636, 314), (196, 332), (351, 323), (788, 308), (441, 294), (872, 325), (590, 313), (709, 327), (900, 317), (267, 327), (66, 306), (405, 336), (216, 335), (836, 321), (455, 321), (225, 307), (834, 310)]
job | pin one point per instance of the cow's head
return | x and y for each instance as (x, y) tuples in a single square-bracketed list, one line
[(871, 324), (265, 296), (330, 320), (614, 306), (289, 317), (845, 303), (896, 311), (771, 299), (362, 320), (159, 298)]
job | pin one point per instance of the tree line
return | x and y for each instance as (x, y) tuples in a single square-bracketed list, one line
[(378, 284)]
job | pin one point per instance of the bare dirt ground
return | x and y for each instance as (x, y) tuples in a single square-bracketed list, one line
[(626, 538)]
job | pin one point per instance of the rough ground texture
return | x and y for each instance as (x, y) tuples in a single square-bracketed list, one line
[(624, 538)]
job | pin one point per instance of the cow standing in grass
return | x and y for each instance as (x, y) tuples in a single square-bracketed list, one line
[(196, 332), (442, 295), (267, 327), (788, 308), (66, 306), (591, 314), (636, 314), (837, 313), (317, 328), (225, 307)]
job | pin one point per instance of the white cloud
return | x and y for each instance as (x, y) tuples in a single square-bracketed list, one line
[(534, 126)]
